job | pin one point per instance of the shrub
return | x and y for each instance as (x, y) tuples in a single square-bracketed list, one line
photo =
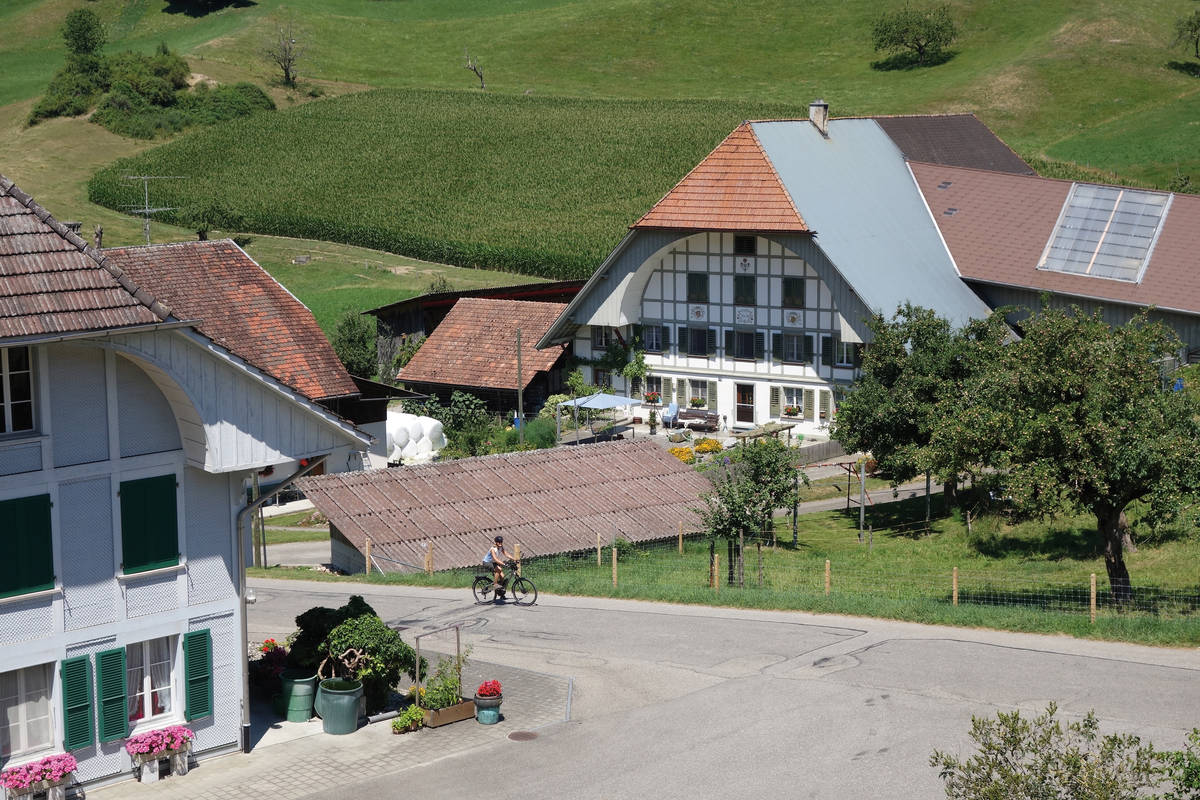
[(384, 656), (683, 453), (413, 716), (83, 32), (444, 688), (307, 644), (354, 341)]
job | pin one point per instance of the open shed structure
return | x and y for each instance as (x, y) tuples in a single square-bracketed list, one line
[(548, 501)]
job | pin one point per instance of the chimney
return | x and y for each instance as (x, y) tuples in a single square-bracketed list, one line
[(818, 114)]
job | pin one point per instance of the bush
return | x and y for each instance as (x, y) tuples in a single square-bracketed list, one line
[(444, 687), (307, 645), (354, 341), (83, 32), (384, 656)]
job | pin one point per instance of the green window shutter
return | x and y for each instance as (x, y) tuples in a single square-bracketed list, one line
[(776, 346), (666, 338), (730, 343), (776, 405), (26, 549), (197, 675), (809, 350), (710, 342), (149, 524), (712, 395), (77, 703), (858, 353), (681, 392), (809, 412), (760, 345), (683, 340), (111, 695), (827, 350)]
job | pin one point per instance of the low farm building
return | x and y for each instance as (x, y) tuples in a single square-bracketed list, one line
[(546, 501)]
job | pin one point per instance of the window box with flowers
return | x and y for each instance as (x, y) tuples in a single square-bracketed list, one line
[(697, 402), (48, 776), (791, 411), (487, 702), (150, 749), (652, 398)]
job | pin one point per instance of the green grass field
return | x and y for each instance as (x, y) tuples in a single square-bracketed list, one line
[(1031, 577)]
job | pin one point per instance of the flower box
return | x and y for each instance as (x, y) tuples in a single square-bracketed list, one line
[(436, 717), (47, 778), (149, 750)]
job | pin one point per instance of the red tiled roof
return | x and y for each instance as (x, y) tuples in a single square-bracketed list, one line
[(243, 309), (548, 501), (1001, 223), (735, 188), (53, 282), (476, 344)]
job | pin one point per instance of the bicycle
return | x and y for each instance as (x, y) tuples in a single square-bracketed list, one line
[(522, 590)]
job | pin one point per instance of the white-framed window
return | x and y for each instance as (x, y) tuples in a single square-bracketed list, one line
[(652, 338), (601, 338), (698, 394), (797, 348), (16, 390), (654, 384), (150, 670), (25, 723), (847, 354)]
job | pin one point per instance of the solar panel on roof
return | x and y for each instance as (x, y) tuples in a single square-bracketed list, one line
[(1106, 232)]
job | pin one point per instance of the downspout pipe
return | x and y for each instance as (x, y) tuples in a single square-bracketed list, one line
[(242, 517)]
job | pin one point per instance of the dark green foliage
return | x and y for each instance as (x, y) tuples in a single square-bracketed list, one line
[(444, 687), (923, 34), (1181, 768), (354, 341), (758, 479), (1187, 32), (306, 647), (384, 656), (1031, 759), (539, 434), (126, 112), (83, 32), (406, 352), (73, 90)]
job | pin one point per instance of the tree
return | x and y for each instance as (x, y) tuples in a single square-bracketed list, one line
[(354, 343), (1187, 32), (473, 65), (923, 33), (284, 51), (1075, 417), (83, 32), (1023, 759)]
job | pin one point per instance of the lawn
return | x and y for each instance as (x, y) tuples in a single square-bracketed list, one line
[(1029, 577)]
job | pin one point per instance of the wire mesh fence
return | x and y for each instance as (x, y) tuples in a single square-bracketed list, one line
[(763, 573)]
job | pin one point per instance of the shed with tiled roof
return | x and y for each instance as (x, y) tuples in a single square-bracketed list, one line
[(548, 501)]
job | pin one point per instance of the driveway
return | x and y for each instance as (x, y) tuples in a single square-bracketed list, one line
[(685, 701)]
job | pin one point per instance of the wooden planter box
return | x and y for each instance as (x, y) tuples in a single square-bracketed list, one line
[(444, 716)]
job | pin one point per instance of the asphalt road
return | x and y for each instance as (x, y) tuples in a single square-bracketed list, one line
[(687, 702)]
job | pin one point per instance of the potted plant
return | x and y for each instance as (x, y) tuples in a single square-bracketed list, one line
[(653, 421), (49, 775), (791, 411), (149, 749), (487, 702), (652, 398), (697, 402), (338, 701), (443, 695), (410, 719)]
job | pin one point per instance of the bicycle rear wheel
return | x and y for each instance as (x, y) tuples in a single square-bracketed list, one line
[(484, 589), (524, 592)]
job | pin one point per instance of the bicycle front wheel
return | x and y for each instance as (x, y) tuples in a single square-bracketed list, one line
[(524, 592), (484, 589)]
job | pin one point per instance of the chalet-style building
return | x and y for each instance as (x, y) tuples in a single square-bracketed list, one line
[(750, 284), (128, 435)]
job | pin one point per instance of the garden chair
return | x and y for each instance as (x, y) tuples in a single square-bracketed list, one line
[(670, 415)]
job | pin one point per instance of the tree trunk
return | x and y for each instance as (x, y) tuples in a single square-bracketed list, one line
[(1114, 528), (950, 492), (731, 562)]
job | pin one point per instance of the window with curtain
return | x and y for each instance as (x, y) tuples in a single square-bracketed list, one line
[(25, 724), (148, 670), (652, 338)]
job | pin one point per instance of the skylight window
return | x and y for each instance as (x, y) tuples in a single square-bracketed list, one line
[(1106, 232)]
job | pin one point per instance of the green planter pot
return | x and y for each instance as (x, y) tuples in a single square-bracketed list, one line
[(487, 709), (338, 701), (296, 696)]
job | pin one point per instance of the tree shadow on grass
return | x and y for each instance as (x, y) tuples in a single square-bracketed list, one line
[(909, 61), (1191, 68), (200, 8), (1055, 544)]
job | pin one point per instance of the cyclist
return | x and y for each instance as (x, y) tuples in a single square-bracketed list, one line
[(495, 558)]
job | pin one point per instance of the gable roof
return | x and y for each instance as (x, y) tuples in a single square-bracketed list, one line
[(735, 188), (52, 282), (548, 501), (238, 305), (997, 225), (545, 291), (959, 140), (476, 344)]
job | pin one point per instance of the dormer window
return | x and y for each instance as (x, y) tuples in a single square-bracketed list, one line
[(16, 390)]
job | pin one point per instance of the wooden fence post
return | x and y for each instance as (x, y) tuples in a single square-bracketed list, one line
[(827, 582), (716, 572), (680, 537), (599, 563), (518, 553), (1092, 604), (760, 567), (955, 589), (429, 557), (368, 556), (614, 564)]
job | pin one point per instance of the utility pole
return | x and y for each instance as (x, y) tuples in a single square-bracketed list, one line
[(520, 395)]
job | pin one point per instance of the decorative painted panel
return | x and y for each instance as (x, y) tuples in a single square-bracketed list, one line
[(90, 592), (150, 595), (144, 417), (78, 404)]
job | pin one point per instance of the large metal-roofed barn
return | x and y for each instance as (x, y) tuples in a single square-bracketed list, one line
[(548, 501)]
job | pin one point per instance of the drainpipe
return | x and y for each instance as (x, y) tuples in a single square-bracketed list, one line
[(242, 516)]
